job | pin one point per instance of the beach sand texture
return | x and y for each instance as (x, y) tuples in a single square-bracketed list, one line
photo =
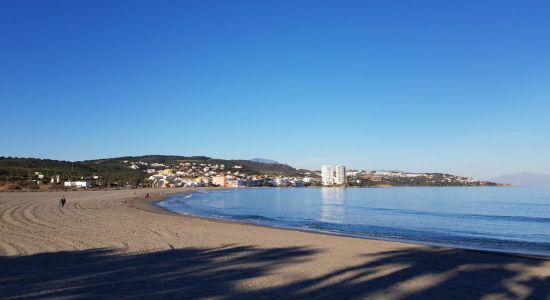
[(116, 244)]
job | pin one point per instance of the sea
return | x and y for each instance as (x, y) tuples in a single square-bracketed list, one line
[(501, 219)]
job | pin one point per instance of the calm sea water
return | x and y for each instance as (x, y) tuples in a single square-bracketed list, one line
[(509, 219)]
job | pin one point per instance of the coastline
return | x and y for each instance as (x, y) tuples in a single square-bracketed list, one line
[(152, 206), (163, 254), (253, 187)]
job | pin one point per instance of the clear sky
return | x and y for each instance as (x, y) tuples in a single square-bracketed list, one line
[(452, 86)]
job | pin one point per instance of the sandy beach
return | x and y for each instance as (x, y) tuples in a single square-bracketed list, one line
[(117, 244)]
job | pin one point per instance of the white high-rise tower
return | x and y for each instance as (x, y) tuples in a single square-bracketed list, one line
[(327, 175), (340, 177)]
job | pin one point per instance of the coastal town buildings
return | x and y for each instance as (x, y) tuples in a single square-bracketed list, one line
[(205, 174), (219, 180), (215, 174), (197, 174), (235, 183), (336, 176)]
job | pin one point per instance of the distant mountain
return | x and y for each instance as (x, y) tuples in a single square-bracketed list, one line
[(263, 160), (524, 179)]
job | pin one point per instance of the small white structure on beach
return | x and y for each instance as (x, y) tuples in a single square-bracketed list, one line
[(55, 179), (76, 184)]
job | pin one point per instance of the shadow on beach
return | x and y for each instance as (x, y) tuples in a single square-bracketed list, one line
[(216, 273)]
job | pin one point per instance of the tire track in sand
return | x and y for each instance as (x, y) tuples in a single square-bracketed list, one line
[(17, 221), (8, 216), (31, 215)]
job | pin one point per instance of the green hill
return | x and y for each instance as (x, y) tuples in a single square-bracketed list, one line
[(13, 168)]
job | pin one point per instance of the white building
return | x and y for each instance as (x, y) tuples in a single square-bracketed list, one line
[(76, 184), (340, 177), (219, 180), (352, 172), (279, 181), (55, 179), (327, 175)]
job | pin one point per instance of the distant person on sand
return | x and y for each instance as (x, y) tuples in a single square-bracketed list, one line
[(62, 202), (147, 196)]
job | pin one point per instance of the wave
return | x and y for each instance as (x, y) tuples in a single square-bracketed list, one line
[(251, 218), (464, 216), (429, 237)]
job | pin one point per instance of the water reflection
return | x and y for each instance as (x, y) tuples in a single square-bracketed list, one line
[(333, 207)]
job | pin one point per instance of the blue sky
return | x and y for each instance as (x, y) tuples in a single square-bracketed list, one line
[(460, 87)]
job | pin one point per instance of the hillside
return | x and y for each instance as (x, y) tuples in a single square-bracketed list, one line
[(12, 168), (263, 160), (135, 170)]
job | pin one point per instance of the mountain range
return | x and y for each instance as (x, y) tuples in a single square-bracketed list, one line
[(524, 179)]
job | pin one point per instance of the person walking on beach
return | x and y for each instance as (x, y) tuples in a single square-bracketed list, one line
[(147, 196), (62, 202)]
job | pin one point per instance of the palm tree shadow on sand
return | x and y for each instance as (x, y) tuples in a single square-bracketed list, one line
[(190, 273)]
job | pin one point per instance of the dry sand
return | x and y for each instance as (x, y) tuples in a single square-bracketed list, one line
[(116, 244)]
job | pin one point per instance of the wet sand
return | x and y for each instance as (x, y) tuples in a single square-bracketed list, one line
[(117, 244)]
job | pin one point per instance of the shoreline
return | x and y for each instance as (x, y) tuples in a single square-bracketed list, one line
[(153, 206), (256, 187), (119, 244)]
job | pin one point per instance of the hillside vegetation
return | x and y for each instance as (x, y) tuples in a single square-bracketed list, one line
[(13, 168)]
